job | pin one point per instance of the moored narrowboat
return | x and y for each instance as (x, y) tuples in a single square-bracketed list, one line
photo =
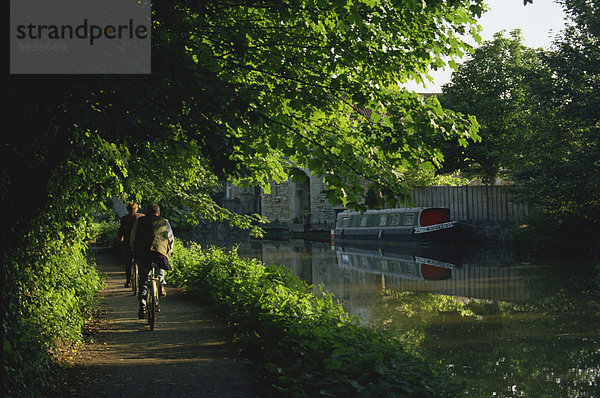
[(413, 224)]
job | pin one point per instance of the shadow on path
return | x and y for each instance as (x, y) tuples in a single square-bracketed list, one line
[(187, 355)]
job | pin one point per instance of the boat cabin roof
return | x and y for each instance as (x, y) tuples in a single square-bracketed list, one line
[(393, 211)]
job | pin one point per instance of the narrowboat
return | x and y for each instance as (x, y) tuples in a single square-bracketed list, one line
[(413, 224)]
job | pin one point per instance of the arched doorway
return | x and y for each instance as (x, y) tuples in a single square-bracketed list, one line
[(301, 211)]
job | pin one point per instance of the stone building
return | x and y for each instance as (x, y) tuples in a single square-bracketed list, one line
[(300, 206), (239, 200), (290, 206)]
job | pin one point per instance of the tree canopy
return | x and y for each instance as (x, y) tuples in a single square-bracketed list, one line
[(243, 91), (498, 84)]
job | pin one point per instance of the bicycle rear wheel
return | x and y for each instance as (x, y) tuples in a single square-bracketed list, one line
[(151, 304), (135, 277)]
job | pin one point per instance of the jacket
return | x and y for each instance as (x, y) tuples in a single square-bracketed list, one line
[(152, 233), (126, 225)]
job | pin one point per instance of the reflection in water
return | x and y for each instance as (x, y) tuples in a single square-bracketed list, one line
[(400, 265), (510, 329), (423, 272)]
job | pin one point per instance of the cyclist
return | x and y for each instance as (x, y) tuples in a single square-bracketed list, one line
[(152, 241), (125, 227)]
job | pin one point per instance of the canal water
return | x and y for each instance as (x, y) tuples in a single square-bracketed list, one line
[(510, 327)]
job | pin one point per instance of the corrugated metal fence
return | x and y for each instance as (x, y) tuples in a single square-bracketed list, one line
[(479, 203)]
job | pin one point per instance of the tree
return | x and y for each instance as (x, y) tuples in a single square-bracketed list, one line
[(561, 174), (498, 85), (539, 126)]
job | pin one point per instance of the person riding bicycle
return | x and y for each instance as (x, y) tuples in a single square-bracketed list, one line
[(124, 237), (152, 241)]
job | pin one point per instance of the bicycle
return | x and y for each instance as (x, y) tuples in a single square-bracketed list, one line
[(135, 276), (152, 307)]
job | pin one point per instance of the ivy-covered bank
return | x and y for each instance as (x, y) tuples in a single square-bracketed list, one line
[(305, 345), (48, 292)]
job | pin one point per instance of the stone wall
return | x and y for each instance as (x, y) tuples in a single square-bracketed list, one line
[(285, 206), (275, 206), (322, 212), (239, 200)]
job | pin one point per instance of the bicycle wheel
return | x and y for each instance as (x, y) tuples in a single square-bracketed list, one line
[(134, 277), (151, 304), (156, 305)]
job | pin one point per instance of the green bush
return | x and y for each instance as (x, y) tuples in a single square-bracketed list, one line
[(306, 345), (49, 291), (103, 233)]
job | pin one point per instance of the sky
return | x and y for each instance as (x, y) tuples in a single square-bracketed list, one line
[(540, 22)]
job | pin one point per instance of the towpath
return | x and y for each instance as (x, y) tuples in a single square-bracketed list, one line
[(189, 353)]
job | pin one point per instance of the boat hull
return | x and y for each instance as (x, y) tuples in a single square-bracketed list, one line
[(447, 235)]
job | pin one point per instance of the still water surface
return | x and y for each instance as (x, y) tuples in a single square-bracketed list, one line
[(511, 328)]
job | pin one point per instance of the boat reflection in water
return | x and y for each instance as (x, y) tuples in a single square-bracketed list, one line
[(484, 275), (401, 265)]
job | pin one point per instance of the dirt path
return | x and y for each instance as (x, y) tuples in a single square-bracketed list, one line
[(187, 355)]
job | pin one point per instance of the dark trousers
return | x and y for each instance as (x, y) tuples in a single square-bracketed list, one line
[(145, 262), (128, 259)]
